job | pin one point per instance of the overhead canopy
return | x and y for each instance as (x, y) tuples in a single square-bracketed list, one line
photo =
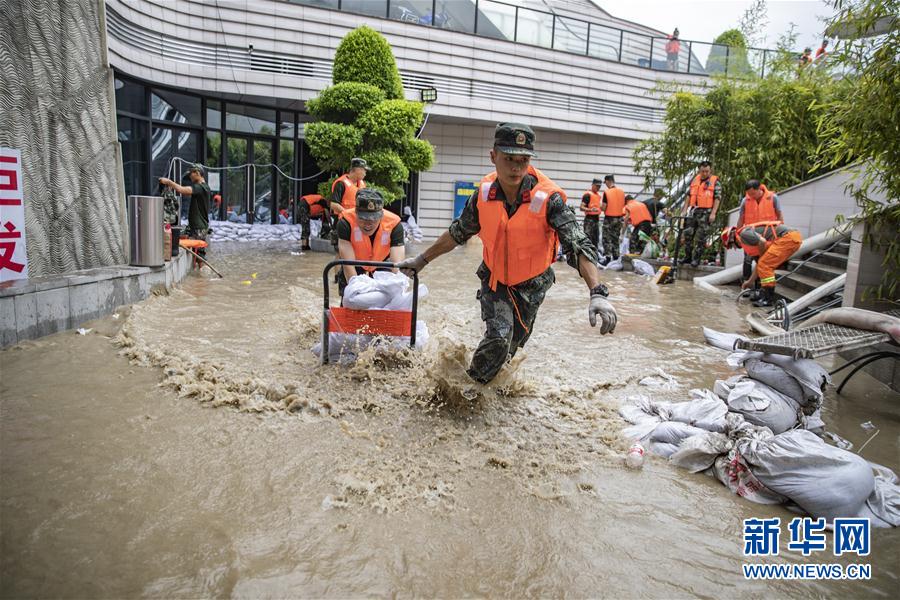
[(851, 30)]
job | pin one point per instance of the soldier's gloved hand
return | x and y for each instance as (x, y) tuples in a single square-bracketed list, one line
[(418, 263), (601, 307)]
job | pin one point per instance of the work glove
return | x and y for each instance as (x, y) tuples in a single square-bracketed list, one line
[(407, 266), (602, 307)]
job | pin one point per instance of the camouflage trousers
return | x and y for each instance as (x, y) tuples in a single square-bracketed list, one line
[(303, 217), (201, 233), (592, 230), (697, 230), (508, 314), (612, 232)]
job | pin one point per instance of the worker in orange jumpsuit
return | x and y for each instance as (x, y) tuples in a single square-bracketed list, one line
[(773, 243)]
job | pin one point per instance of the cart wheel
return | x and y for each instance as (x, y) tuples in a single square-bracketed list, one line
[(780, 316)]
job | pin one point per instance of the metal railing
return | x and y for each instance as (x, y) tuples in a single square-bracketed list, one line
[(520, 24)]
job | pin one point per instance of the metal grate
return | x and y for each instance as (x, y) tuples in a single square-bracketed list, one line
[(813, 342)]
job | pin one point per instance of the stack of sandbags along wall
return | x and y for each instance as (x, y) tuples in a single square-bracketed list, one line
[(761, 435), (56, 106)]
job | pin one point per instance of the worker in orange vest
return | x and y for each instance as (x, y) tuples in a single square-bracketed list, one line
[(590, 206), (368, 232), (613, 207), (343, 190), (700, 210), (520, 215), (773, 243), (313, 206), (759, 205), (638, 215)]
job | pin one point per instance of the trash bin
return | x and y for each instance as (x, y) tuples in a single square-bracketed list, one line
[(145, 230), (176, 235)]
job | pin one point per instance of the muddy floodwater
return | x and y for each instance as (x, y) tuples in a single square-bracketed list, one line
[(193, 447)]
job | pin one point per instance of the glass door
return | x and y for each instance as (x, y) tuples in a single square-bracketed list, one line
[(235, 196), (263, 153)]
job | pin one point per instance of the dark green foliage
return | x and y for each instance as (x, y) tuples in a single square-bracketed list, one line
[(365, 56), (333, 144), (364, 114), (730, 55), (344, 102), (391, 122)]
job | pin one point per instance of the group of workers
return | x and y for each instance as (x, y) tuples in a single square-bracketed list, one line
[(618, 209)]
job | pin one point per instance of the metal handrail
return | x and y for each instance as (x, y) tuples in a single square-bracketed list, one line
[(637, 40)]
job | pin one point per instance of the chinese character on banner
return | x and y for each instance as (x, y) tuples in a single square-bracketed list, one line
[(13, 257), (807, 536), (851, 536), (761, 536)]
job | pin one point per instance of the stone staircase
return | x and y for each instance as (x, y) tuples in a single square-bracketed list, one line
[(821, 266)]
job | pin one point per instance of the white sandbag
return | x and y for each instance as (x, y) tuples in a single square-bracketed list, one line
[(883, 504), (698, 453), (724, 341), (763, 406), (822, 480), (777, 378), (704, 412), (615, 265), (661, 380), (346, 347), (642, 268), (667, 436), (811, 376), (732, 471), (384, 290)]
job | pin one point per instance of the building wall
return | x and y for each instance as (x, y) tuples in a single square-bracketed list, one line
[(570, 159), (56, 106)]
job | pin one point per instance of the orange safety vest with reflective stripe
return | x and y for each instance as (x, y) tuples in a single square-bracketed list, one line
[(703, 192), (363, 248), (348, 200), (593, 206), (764, 210), (315, 208), (523, 246), (637, 212), (615, 202), (768, 234)]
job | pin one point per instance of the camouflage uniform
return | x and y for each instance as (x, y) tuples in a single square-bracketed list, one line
[(698, 229), (612, 233), (170, 207), (592, 229), (509, 312), (303, 216)]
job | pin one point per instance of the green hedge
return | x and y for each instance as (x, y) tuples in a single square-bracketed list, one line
[(391, 122), (417, 155), (333, 144), (344, 102), (365, 56)]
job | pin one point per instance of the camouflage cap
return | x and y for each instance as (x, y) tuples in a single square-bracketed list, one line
[(514, 138), (369, 204), (196, 167), (596, 181), (359, 163)]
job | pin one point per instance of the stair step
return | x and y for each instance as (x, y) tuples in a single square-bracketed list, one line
[(816, 270), (790, 294), (803, 283), (831, 258), (842, 248)]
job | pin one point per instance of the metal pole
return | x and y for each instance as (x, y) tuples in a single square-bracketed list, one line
[(587, 50), (475, 31), (553, 34), (727, 55), (690, 54), (516, 26), (433, 12), (762, 72), (387, 9), (621, 43), (651, 52)]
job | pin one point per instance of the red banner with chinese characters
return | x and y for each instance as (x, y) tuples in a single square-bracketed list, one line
[(13, 257)]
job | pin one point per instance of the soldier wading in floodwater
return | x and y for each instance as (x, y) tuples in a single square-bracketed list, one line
[(520, 216)]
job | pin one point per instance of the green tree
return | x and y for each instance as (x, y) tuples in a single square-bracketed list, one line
[(864, 123), (729, 54), (364, 114)]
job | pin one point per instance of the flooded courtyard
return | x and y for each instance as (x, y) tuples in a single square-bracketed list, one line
[(192, 446)]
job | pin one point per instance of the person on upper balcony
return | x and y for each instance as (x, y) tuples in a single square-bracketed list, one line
[(673, 49)]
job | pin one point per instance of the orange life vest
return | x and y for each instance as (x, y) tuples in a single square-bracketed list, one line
[(363, 248), (593, 206), (615, 202), (523, 246), (764, 210), (637, 212), (768, 234), (348, 200), (673, 46), (315, 206), (703, 192)]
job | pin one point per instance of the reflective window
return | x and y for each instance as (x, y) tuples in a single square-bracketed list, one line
[(496, 20), (167, 143), (133, 138), (317, 3), (250, 119), (235, 196), (130, 97), (458, 15), (412, 11), (285, 185), (376, 8), (570, 35), (175, 107), (213, 148), (286, 125), (535, 28), (214, 114)]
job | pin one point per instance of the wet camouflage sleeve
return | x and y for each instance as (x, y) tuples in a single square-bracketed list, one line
[(717, 191), (467, 225), (572, 237)]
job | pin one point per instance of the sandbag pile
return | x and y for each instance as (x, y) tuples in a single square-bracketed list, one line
[(383, 291), (761, 435), (225, 231)]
